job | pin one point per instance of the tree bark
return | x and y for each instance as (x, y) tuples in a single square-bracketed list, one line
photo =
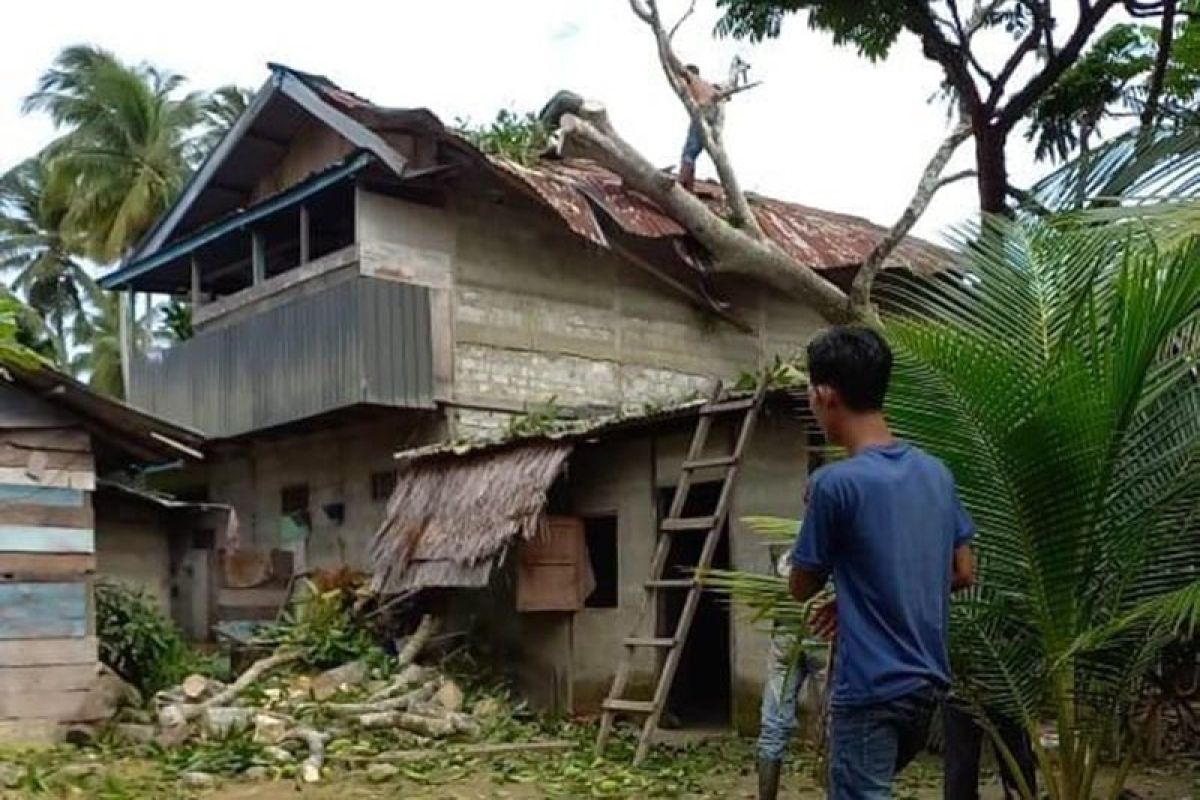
[(732, 250), (1166, 38), (930, 182), (992, 165)]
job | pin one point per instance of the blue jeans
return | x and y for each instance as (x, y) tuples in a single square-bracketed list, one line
[(785, 679), (870, 744)]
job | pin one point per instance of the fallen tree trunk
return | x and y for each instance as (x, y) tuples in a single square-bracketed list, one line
[(413, 646)]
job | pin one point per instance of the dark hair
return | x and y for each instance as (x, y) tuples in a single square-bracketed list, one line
[(854, 360), (692, 68)]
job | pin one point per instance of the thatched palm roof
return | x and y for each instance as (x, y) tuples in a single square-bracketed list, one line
[(451, 519)]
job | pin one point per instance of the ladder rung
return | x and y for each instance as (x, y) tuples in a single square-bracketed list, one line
[(728, 406), (670, 583), (636, 706), (688, 523), (709, 463), (649, 641)]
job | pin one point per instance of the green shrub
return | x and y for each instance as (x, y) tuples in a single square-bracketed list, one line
[(322, 626), (138, 642)]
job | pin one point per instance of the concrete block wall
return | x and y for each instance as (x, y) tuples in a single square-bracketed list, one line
[(615, 477), (336, 464), (537, 313)]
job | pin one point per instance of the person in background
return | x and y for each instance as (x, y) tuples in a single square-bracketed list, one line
[(887, 524), (788, 668), (963, 737)]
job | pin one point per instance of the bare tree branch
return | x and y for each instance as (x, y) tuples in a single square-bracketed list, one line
[(1028, 45), (710, 137), (675, 28), (860, 289), (1020, 103), (957, 176), (1166, 36)]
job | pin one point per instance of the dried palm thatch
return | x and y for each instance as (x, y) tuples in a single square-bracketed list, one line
[(450, 518)]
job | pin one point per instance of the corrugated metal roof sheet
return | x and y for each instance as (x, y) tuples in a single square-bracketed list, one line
[(575, 188)]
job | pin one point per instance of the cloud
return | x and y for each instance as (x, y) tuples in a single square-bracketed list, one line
[(566, 32)]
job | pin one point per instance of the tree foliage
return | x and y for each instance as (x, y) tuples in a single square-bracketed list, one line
[(513, 135)]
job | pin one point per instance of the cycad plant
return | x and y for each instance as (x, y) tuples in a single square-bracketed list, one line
[(1057, 372), (1057, 376)]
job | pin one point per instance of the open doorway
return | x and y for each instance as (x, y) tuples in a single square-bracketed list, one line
[(701, 695)]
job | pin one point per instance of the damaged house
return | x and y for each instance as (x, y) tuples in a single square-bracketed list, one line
[(364, 281), (69, 514)]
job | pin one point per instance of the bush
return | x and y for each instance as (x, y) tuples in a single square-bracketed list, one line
[(322, 625), (138, 642)]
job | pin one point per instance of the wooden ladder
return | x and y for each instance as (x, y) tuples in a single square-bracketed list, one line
[(671, 647)]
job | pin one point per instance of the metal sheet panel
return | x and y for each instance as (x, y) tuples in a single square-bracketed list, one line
[(365, 340)]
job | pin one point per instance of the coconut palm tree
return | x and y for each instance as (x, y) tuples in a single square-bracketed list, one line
[(100, 361), (35, 248), (124, 152), (1058, 375), (219, 110)]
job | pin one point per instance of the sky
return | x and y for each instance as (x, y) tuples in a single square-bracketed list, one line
[(826, 128)]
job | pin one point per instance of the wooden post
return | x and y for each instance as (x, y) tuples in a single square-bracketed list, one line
[(305, 240), (126, 312), (258, 257), (197, 296)]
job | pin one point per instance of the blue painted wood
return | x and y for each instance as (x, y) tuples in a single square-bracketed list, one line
[(40, 495), (31, 539), (43, 610)]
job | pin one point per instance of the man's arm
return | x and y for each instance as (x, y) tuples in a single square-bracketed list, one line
[(963, 576)]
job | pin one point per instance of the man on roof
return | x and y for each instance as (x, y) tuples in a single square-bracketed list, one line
[(707, 97)]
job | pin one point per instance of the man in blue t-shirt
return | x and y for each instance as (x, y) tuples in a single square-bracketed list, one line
[(887, 525)]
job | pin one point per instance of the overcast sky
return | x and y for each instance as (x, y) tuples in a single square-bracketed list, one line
[(826, 128)]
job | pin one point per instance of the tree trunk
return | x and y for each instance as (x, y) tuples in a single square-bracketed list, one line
[(992, 166)]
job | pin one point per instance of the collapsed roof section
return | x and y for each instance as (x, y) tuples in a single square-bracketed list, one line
[(412, 147)]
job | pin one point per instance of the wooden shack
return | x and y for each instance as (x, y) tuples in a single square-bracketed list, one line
[(56, 436)]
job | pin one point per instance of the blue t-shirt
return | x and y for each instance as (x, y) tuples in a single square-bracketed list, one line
[(885, 523)]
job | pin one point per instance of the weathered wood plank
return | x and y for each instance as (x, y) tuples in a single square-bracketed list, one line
[(84, 479), (30, 539), (45, 678), (71, 706), (43, 610), (40, 495), (45, 652), (12, 455), (44, 515), (42, 566), (70, 439)]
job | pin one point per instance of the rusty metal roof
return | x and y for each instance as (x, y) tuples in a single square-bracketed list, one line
[(577, 189)]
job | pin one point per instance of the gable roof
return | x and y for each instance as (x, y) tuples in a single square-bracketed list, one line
[(588, 199)]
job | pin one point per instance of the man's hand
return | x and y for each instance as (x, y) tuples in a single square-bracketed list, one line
[(822, 620)]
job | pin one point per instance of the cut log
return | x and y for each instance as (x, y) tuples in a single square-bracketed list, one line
[(194, 687), (402, 703), (189, 711), (310, 767), (416, 643)]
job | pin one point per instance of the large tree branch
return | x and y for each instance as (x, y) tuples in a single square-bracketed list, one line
[(1019, 104), (953, 59), (930, 182), (647, 11), (1028, 45), (732, 250), (1166, 37)]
